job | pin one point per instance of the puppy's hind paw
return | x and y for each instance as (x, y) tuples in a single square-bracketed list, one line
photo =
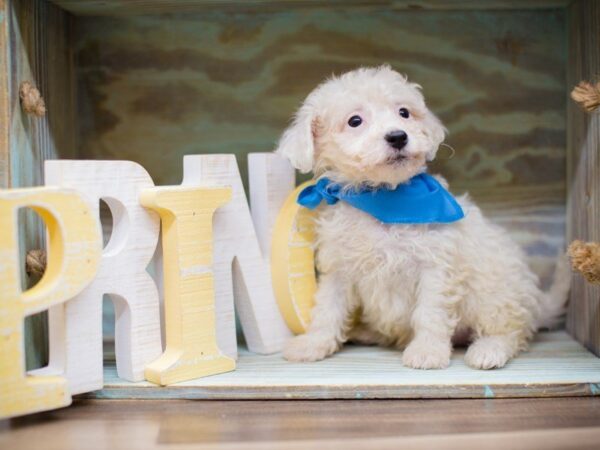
[(307, 347), (426, 355)]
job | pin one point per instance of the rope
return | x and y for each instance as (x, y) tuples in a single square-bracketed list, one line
[(585, 259), (31, 100), (587, 95), (35, 263)]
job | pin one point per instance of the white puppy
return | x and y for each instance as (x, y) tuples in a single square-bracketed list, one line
[(411, 286)]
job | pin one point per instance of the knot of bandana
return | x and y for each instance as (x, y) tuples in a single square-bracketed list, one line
[(313, 195)]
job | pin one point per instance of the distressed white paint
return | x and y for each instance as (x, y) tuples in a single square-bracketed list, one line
[(271, 179), (241, 265), (76, 326)]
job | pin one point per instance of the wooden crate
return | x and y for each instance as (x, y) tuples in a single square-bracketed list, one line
[(151, 81)]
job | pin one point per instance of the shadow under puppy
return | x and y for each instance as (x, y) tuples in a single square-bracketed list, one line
[(416, 268)]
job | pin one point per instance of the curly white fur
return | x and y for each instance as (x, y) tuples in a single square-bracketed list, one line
[(412, 286)]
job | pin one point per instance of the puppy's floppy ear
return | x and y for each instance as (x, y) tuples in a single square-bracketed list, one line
[(437, 131), (297, 142)]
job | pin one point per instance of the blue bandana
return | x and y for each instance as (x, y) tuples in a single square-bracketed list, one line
[(421, 200)]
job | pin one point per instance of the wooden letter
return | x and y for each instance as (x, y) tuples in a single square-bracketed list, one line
[(293, 262), (74, 246), (191, 343), (76, 326), (241, 261)]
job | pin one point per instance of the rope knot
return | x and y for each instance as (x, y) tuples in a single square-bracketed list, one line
[(31, 100), (35, 262), (587, 95), (585, 258)]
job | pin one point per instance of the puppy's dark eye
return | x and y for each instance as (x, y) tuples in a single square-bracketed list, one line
[(354, 121), (404, 113)]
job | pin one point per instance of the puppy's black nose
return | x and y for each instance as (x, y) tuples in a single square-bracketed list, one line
[(397, 139)]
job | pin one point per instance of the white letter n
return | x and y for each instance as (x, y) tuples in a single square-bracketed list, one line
[(239, 252)]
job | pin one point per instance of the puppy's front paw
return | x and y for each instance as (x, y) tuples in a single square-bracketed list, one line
[(307, 347), (489, 352), (422, 354)]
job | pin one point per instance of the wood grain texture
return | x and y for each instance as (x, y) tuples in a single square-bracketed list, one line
[(152, 90), (583, 147), (555, 366), (39, 51), (128, 7), (558, 423)]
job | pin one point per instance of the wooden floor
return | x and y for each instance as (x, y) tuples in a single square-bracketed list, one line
[(507, 424)]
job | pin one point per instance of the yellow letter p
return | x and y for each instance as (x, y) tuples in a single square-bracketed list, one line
[(74, 248)]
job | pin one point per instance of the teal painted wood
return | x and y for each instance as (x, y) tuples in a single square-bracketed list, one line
[(4, 97), (556, 365), (38, 52)]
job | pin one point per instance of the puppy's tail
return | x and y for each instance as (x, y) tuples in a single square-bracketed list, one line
[(555, 299)]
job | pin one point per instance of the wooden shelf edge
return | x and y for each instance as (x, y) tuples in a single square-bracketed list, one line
[(555, 366), (139, 7)]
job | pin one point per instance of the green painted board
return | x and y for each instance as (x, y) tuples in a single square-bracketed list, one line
[(556, 365)]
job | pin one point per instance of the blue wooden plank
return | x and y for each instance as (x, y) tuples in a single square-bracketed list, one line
[(556, 365)]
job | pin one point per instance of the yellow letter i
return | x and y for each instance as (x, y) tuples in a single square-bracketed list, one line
[(191, 345)]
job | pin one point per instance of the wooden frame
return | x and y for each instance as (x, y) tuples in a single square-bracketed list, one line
[(4, 97), (35, 32), (583, 167), (125, 7)]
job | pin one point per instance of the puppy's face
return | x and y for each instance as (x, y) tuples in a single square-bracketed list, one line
[(369, 126)]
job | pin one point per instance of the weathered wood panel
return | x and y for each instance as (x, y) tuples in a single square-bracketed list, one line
[(555, 366), (128, 7), (154, 88), (583, 147), (40, 52), (4, 97)]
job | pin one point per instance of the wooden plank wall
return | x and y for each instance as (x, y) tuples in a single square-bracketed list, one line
[(39, 51), (583, 147), (153, 88)]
